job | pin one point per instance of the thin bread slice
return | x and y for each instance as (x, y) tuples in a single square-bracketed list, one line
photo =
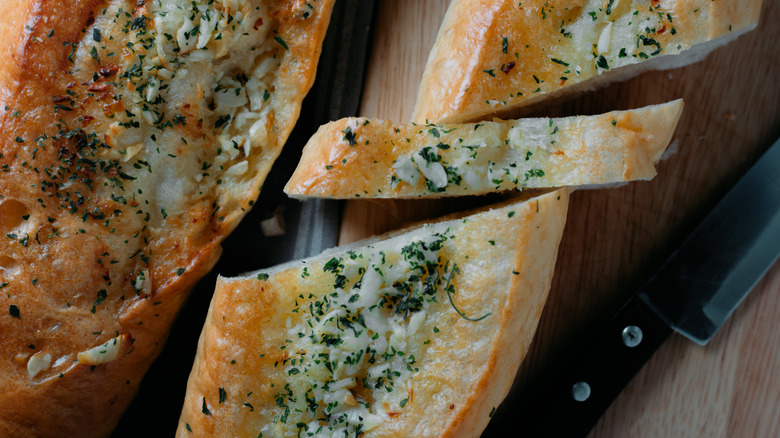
[(493, 57), (135, 136), (358, 157), (418, 333)]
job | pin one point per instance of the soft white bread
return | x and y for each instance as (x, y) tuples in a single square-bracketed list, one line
[(493, 57), (419, 333), (358, 157), (135, 135)]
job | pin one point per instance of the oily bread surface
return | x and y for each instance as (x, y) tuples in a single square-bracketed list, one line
[(356, 157), (465, 367), (105, 249), (494, 57)]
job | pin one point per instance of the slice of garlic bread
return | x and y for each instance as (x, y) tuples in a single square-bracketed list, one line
[(365, 158), (135, 135), (418, 333), (492, 57)]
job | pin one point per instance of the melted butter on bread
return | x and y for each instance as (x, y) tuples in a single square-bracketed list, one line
[(135, 135), (498, 56), (358, 157), (416, 333), (194, 99), (352, 349)]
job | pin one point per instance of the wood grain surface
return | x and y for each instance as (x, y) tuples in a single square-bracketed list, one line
[(616, 237)]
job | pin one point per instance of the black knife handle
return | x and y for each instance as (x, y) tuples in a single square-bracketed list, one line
[(572, 400)]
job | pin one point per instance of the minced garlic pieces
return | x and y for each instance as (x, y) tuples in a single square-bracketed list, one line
[(105, 353), (39, 361)]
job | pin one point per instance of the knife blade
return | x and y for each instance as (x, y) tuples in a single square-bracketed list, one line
[(692, 293), (724, 258)]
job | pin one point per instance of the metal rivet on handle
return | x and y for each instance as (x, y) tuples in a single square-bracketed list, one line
[(580, 391), (632, 336)]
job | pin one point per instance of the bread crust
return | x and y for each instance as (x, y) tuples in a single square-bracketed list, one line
[(496, 57), (358, 157), (464, 372), (84, 268)]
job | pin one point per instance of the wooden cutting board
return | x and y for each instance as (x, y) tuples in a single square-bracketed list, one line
[(616, 237)]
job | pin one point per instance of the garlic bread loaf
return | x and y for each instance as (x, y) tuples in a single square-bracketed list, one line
[(497, 56), (418, 333), (358, 157), (135, 135)]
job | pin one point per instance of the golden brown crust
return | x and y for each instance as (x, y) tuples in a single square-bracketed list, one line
[(86, 258), (497, 56), (463, 368), (358, 157)]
